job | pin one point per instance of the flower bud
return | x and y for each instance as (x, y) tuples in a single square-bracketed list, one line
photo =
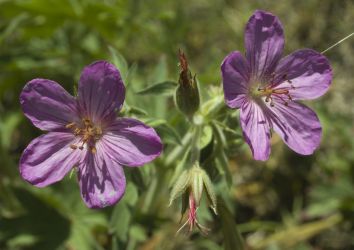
[(187, 94), (191, 184)]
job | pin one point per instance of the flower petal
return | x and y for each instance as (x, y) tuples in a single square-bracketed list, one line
[(48, 158), (309, 72), (256, 129), (102, 181), (48, 105), (101, 91), (131, 143), (264, 41), (235, 75), (298, 126)]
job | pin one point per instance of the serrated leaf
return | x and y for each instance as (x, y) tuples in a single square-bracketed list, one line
[(166, 88)]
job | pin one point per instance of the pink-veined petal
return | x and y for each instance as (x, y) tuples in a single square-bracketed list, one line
[(131, 142), (101, 91), (48, 158), (297, 125), (264, 41), (235, 75), (256, 129), (309, 72), (48, 105), (102, 181)]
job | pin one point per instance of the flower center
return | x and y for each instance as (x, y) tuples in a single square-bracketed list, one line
[(269, 92), (88, 132)]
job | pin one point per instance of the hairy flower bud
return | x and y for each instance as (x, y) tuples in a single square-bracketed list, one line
[(191, 184), (187, 94)]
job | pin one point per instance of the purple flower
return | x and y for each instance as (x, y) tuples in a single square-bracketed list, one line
[(84, 132), (266, 88)]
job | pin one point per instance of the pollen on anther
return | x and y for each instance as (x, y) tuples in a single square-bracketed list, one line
[(70, 125), (72, 146)]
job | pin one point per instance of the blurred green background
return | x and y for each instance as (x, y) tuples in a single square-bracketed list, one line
[(288, 202)]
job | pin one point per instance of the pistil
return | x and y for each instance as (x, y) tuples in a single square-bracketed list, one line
[(269, 92)]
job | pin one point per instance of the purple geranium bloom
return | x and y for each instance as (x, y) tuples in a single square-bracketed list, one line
[(266, 88), (85, 132)]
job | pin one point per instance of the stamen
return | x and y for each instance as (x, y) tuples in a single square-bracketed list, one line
[(77, 131), (98, 131), (70, 125), (88, 132)]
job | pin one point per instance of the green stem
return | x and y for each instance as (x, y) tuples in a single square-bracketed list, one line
[(195, 150)]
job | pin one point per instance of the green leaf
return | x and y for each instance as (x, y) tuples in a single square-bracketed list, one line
[(22, 241), (222, 142), (167, 132), (120, 62), (152, 122), (138, 233), (131, 194), (132, 110), (166, 88), (120, 220), (131, 74)]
